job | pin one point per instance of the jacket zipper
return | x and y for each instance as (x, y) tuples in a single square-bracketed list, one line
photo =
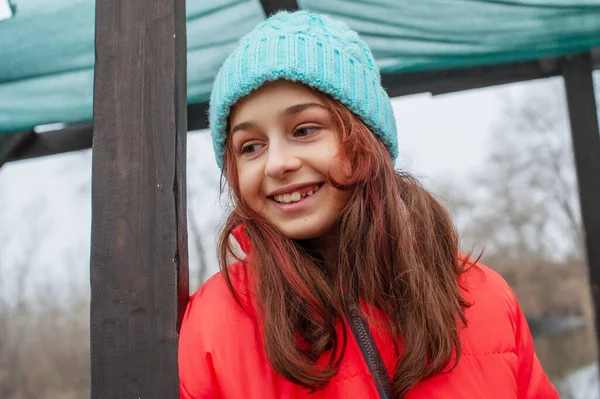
[(370, 353)]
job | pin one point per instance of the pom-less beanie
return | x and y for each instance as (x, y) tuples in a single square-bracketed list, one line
[(318, 51)]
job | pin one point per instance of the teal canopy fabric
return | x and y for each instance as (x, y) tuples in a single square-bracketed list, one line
[(47, 47)]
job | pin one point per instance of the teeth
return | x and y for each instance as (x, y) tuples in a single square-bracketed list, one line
[(292, 197)]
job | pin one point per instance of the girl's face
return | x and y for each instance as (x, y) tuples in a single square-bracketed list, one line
[(284, 143)]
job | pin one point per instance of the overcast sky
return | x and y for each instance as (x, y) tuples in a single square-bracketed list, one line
[(5, 10)]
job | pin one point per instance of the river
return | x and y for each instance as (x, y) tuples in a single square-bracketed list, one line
[(569, 358)]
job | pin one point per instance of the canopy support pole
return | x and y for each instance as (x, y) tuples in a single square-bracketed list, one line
[(577, 74), (139, 260)]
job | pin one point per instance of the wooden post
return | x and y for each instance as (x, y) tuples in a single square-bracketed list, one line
[(577, 73), (139, 265)]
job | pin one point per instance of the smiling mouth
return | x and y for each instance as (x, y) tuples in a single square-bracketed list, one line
[(297, 195)]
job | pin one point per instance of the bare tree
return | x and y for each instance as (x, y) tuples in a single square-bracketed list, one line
[(525, 202), (44, 331), (522, 207)]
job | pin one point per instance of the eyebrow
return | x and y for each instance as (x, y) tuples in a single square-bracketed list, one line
[(290, 111), (296, 109), (242, 126)]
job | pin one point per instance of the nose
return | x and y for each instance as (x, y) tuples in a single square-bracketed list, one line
[(281, 160)]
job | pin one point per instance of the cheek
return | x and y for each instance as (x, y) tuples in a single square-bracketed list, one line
[(340, 170), (324, 157), (249, 183)]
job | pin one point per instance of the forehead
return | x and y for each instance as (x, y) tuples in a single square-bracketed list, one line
[(272, 97)]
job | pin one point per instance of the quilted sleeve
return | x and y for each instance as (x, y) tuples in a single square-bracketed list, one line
[(196, 372), (532, 381)]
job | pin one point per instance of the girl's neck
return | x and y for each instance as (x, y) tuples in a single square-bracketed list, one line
[(326, 248)]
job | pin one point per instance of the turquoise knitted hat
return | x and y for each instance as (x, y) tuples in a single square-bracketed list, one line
[(312, 49)]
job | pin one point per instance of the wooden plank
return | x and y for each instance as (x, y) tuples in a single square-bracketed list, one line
[(139, 277), (179, 190), (583, 118), (70, 138), (272, 6), (459, 79)]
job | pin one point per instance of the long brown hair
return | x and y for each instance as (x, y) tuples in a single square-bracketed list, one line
[(398, 251)]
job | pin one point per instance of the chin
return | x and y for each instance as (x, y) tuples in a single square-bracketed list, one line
[(304, 232)]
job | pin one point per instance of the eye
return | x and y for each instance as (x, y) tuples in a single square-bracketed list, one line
[(250, 148), (305, 131)]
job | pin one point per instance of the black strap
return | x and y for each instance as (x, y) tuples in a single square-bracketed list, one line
[(362, 334)]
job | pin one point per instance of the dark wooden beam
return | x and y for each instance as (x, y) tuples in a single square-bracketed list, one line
[(76, 137), (460, 79), (272, 6), (70, 138), (139, 264), (14, 142), (454, 80), (197, 116), (577, 73)]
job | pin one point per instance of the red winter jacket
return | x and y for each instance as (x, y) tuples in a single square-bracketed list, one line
[(221, 354)]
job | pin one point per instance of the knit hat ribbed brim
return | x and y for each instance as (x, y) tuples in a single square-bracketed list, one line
[(315, 50)]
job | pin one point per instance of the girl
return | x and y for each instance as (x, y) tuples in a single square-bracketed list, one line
[(340, 278)]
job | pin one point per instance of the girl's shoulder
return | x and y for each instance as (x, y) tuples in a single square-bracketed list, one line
[(214, 301), (481, 284), (477, 275), (215, 334), (213, 311), (494, 315)]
